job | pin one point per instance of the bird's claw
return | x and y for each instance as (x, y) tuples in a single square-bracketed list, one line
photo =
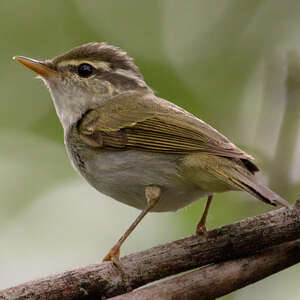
[(114, 256), (201, 229)]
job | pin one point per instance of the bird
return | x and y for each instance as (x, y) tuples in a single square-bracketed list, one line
[(136, 147)]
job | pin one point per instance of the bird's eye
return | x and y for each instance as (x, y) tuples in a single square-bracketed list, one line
[(85, 70)]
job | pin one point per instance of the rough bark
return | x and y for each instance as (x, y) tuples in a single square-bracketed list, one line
[(234, 241), (217, 280)]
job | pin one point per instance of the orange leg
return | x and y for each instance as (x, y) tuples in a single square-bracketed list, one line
[(201, 227), (152, 194)]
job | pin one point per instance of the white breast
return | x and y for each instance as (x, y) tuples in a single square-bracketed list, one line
[(123, 175)]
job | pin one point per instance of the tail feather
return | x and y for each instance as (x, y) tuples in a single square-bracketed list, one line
[(260, 191), (240, 175)]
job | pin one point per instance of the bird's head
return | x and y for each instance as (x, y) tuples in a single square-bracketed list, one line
[(86, 77)]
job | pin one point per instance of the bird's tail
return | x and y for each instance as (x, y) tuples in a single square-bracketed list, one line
[(236, 175), (259, 191)]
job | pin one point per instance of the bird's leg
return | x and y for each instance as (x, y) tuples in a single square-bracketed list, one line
[(201, 227), (152, 194)]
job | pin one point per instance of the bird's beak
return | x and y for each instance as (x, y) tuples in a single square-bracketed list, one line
[(37, 66)]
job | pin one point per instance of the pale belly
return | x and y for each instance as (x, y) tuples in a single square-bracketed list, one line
[(124, 175)]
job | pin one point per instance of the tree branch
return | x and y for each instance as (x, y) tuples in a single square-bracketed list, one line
[(217, 280), (234, 241)]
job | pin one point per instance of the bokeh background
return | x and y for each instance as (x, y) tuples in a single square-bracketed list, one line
[(233, 63)]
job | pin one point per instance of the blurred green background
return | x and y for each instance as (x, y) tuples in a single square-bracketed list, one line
[(228, 62)]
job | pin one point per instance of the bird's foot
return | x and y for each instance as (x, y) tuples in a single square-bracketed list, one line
[(201, 229), (114, 256)]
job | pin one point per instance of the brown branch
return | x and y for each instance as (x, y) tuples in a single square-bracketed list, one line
[(233, 241), (217, 280)]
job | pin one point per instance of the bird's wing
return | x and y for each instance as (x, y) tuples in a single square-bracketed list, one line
[(145, 122)]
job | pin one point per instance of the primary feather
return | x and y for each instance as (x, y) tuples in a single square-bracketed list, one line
[(145, 123)]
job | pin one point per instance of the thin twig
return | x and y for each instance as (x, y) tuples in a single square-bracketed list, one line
[(233, 241)]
